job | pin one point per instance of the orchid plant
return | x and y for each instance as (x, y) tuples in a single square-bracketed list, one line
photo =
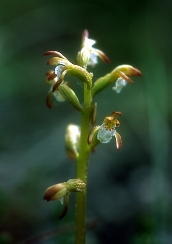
[(81, 140)]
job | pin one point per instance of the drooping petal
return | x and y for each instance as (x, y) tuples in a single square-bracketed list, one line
[(120, 83), (118, 140)]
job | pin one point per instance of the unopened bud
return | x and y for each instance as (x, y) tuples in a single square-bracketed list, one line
[(56, 192), (72, 138), (83, 57), (70, 96)]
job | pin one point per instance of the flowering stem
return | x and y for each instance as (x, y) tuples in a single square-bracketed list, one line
[(81, 169)]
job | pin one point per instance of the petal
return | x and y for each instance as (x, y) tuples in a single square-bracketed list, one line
[(120, 83), (58, 70), (125, 77), (52, 76), (55, 53), (118, 140), (101, 55), (58, 61)]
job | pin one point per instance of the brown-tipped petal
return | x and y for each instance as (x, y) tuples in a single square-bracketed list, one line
[(55, 53), (50, 192), (125, 77), (49, 100), (52, 76), (118, 140), (65, 209), (56, 61), (56, 192), (135, 72), (63, 212), (102, 55), (60, 80), (85, 34), (128, 70)]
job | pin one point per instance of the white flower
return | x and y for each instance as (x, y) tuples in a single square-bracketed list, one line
[(88, 54), (120, 83), (107, 130)]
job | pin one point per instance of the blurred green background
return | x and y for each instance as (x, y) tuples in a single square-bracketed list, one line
[(129, 191)]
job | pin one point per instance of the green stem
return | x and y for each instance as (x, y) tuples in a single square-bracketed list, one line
[(81, 169)]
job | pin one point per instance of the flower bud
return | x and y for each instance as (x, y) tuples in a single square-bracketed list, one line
[(72, 138), (56, 192), (83, 57), (70, 96)]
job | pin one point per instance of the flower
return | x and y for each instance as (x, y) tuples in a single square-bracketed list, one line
[(108, 129), (120, 75), (64, 66), (88, 54), (62, 191)]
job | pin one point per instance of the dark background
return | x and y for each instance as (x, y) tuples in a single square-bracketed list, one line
[(129, 191)]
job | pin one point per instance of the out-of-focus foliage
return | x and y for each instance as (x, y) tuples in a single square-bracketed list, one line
[(124, 186)]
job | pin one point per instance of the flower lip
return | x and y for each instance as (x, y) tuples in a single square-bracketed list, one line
[(104, 135)]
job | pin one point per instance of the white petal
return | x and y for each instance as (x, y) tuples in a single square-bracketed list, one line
[(93, 59), (89, 42), (58, 70), (120, 83)]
